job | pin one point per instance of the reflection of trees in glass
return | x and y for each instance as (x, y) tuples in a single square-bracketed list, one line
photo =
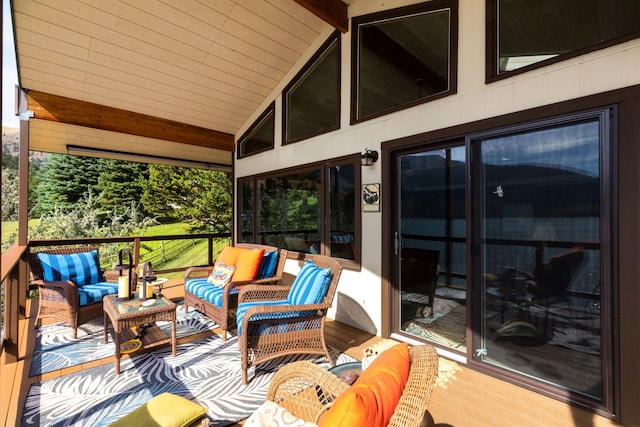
[(290, 203), (341, 198)]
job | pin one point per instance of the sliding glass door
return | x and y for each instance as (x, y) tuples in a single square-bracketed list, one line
[(431, 245), (503, 250), (539, 199)]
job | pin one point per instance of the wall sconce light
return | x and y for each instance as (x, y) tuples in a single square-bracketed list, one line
[(369, 157)]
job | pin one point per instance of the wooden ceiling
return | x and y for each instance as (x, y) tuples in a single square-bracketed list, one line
[(159, 68)]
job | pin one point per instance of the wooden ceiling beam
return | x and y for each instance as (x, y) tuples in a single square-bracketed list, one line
[(55, 108), (334, 12)]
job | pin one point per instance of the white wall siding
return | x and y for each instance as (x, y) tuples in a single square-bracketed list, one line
[(600, 71)]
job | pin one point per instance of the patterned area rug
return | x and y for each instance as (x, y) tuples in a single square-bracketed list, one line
[(206, 371), (55, 349)]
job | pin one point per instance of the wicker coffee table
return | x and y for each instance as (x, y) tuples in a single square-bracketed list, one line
[(125, 314)]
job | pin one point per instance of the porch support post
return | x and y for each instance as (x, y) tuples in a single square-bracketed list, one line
[(23, 197)]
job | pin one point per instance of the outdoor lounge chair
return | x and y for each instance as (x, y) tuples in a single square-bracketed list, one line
[(275, 321), (220, 303), (67, 291), (307, 391)]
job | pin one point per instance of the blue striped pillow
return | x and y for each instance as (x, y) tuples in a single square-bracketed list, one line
[(310, 285), (268, 265), (81, 268)]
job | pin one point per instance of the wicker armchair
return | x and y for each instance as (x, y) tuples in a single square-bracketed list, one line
[(269, 326), (62, 299), (225, 314), (307, 390)]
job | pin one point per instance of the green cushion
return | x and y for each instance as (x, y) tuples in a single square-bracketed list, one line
[(164, 410)]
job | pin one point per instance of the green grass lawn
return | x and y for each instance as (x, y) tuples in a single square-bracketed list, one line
[(11, 227)]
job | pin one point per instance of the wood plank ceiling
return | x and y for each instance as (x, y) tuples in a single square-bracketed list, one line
[(181, 77)]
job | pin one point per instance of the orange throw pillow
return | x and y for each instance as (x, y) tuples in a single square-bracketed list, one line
[(371, 400), (229, 255), (248, 264)]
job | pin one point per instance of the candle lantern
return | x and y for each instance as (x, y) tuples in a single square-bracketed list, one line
[(126, 284), (145, 277)]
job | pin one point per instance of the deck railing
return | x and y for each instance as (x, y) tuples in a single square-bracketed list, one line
[(170, 255)]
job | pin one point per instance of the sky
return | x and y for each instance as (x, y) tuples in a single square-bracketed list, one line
[(9, 70)]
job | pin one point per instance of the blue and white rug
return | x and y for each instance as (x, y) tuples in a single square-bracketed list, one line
[(206, 371), (56, 349)]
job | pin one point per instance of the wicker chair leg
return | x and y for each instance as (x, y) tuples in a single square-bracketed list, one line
[(245, 376)]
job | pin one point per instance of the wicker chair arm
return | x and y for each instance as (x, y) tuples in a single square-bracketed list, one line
[(112, 276), (305, 389), (58, 290), (412, 407), (263, 293), (269, 309), (198, 272)]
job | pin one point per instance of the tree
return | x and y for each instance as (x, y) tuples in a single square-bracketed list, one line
[(120, 183), (9, 194), (65, 180), (89, 219), (200, 197)]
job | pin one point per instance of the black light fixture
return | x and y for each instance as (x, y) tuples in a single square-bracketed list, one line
[(369, 157)]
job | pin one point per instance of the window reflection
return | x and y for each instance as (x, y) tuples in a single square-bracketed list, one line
[(310, 210), (260, 136), (311, 103), (541, 260), (531, 32), (403, 57), (289, 211), (433, 279)]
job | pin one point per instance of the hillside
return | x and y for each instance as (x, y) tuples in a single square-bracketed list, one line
[(10, 140), (10, 144)]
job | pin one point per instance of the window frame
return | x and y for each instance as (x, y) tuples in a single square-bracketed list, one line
[(268, 114), (301, 77), (324, 221), (617, 182), (492, 53), (398, 13)]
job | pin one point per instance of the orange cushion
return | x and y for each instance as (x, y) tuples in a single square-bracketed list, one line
[(371, 400), (248, 264), (229, 255)]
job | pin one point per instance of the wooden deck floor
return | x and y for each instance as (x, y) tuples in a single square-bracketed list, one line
[(468, 399)]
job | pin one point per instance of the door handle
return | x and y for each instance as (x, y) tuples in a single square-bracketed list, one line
[(396, 243)]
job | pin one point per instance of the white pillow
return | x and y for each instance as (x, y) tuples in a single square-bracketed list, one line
[(270, 414)]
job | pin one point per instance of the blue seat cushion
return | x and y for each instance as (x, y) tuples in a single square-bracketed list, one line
[(268, 265), (310, 285), (81, 268), (88, 294), (243, 307), (203, 289)]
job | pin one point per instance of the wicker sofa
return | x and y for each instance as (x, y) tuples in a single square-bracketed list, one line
[(220, 304), (66, 292)]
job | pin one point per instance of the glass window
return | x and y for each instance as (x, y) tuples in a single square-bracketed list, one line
[(314, 209), (506, 234), (288, 211), (260, 135), (527, 33), (246, 201), (403, 57), (311, 102), (432, 279), (342, 216), (541, 264)]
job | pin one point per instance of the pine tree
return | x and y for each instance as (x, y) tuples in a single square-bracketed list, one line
[(64, 180), (120, 183), (200, 197)]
